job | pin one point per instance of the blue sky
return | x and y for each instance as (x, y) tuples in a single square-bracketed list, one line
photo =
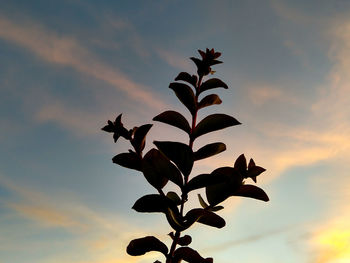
[(68, 66)]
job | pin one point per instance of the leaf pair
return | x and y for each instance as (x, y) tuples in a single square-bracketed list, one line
[(160, 204), (232, 186), (209, 124), (141, 246), (186, 95)]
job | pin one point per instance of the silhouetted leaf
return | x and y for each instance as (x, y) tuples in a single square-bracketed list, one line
[(109, 127), (184, 76), (253, 170), (117, 129), (156, 165), (202, 202), (251, 191), (175, 220), (185, 240), (140, 136), (158, 169), (180, 153), (209, 150), (140, 246), (174, 197), (175, 119), (154, 203), (151, 204), (185, 95), (212, 84), (217, 193), (214, 122), (204, 180), (209, 100), (216, 208), (207, 207), (129, 160), (205, 217), (189, 255), (241, 164), (210, 219)]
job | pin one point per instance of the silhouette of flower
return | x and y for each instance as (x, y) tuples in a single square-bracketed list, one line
[(117, 128), (208, 59)]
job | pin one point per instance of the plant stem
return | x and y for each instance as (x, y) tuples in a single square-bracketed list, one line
[(184, 195)]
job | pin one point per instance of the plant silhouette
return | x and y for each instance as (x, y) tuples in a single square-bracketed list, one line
[(173, 161)]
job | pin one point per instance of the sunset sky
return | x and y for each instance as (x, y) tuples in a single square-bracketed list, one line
[(68, 66)]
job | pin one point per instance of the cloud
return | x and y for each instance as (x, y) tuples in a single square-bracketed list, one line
[(264, 93), (67, 51), (248, 239), (175, 60), (330, 243), (292, 14), (102, 237), (78, 120), (52, 211)]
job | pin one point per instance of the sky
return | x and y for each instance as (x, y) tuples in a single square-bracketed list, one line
[(66, 67)]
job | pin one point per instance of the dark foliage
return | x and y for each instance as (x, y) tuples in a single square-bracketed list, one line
[(173, 161)]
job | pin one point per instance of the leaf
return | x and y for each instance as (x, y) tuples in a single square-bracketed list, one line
[(204, 180), (214, 122), (216, 208), (185, 240), (217, 193), (155, 203), (241, 165), (253, 170), (190, 255), (140, 136), (140, 246), (129, 160), (174, 197), (180, 153), (202, 202), (184, 76), (205, 217), (152, 203), (251, 163), (251, 191), (209, 150), (185, 95), (212, 84), (158, 169), (109, 127), (175, 119), (209, 100)]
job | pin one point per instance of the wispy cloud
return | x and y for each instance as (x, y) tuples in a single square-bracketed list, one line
[(175, 60), (260, 94), (101, 236), (288, 12), (68, 51), (249, 239)]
